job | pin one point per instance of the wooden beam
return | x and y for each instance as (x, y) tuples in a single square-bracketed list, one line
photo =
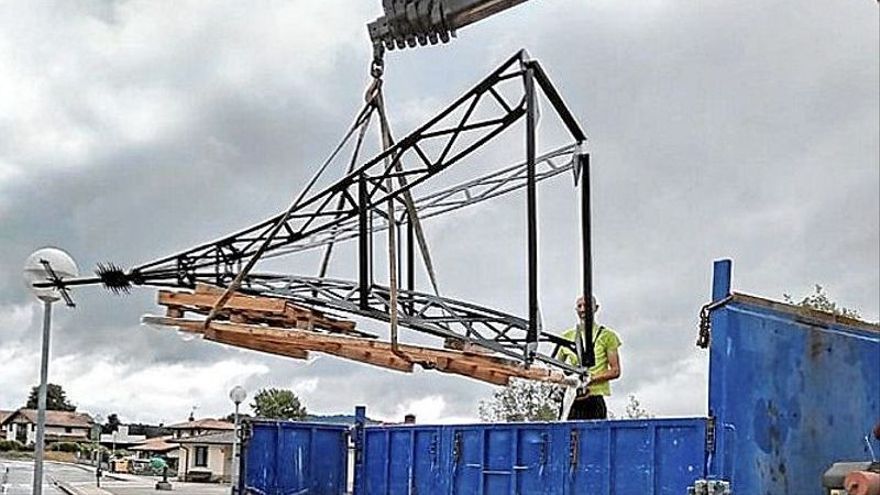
[(491, 369), (382, 359), (261, 346), (236, 302)]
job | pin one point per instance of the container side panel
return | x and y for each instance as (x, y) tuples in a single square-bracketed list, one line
[(427, 469), (259, 476), (590, 472), (401, 460), (632, 462), (531, 468), (328, 462), (499, 456), (680, 458), (467, 461), (376, 459), (792, 396)]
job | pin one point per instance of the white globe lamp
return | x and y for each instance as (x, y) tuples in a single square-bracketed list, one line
[(35, 271), (48, 264)]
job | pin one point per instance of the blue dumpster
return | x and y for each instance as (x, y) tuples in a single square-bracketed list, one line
[(293, 458), (654, 456), (793, 391)]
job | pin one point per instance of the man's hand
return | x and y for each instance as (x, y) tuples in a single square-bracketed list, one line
[(612, 373)]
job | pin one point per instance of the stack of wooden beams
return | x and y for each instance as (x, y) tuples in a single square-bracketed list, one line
[(241, 308), (276, 326)]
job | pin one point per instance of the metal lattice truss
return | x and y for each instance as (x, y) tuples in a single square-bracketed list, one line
[(358, 193), (346, 210), (458, 322), (489, 186)]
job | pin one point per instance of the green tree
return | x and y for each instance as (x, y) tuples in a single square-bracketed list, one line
[(523, 400), (278, 404), (820, 301), (56, 398), (112, 424), (634, 409)]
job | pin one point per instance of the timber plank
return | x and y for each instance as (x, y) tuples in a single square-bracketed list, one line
[(490, 369)]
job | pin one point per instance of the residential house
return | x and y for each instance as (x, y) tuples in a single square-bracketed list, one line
[(61, 426), (205, 449), (158, 447), (206, 457), (195, 427)]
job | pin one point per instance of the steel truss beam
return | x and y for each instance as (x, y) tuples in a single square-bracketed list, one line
[(456, 321), (468, 193), (347, 209), (217, 262)]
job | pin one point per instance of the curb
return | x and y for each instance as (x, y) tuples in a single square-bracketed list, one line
[(64, 487), (91, 469), (71, 490)]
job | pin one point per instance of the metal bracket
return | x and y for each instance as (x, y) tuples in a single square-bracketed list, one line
[(710, 487), (710, 434), (574, 442)]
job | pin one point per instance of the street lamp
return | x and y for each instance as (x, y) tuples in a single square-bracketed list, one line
[(238, 394), (45, 264)]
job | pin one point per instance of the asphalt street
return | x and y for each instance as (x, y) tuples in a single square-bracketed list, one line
[(16, 477)]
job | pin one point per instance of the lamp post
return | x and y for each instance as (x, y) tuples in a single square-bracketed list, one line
[(45, 264), (238, 394)]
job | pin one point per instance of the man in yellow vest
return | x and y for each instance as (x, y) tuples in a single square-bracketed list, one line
[(590, 401)]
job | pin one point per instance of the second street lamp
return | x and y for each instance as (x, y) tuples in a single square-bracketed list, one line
[(44, 265), (238, 394)]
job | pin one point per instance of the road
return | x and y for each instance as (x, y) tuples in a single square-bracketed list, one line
[(19, 476)]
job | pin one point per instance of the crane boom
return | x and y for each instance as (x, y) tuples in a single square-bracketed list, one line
[(408, 23)]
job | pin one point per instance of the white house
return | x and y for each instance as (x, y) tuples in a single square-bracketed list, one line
[(205, 449), (206, 457), (61, 426)]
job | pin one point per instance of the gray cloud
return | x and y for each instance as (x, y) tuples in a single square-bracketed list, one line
[(747, 130)]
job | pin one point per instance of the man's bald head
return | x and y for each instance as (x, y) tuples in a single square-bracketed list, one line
[(581, 308)]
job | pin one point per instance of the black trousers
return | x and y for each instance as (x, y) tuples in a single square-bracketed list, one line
[(589, 407)]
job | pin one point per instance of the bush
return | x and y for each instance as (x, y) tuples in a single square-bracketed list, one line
[(10, 445), (65, 447)]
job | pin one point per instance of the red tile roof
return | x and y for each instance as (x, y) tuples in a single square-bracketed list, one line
[(204, 424), (54, 418), (158, 444)]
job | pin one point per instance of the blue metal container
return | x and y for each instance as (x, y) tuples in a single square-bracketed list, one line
[(287, 458), (793, 391), (656, 456)]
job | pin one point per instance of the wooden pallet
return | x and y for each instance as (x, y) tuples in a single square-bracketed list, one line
[(276, 326), (241, 308)]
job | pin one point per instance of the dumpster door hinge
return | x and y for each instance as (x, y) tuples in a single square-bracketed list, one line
[(573, 446), (456, 448)]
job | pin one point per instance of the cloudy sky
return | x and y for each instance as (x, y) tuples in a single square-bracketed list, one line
[(133, 129)]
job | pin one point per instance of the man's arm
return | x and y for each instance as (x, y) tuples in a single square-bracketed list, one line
[(613, 371)]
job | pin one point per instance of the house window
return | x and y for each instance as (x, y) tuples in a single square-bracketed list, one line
[(68, 429), (201, 457)]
